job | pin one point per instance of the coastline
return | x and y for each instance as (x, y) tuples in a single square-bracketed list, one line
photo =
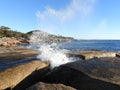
[(27, 72)]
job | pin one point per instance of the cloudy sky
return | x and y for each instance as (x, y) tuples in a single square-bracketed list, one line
[(82, 19)]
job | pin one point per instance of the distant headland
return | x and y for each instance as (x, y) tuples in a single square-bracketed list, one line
[(9, 37)]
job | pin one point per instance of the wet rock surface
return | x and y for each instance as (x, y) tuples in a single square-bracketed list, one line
[(46, 86)]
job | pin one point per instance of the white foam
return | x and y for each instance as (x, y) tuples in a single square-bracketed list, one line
[(55, 56), (48, 52)]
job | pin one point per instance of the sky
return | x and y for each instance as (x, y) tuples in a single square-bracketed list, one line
[(81, 19)]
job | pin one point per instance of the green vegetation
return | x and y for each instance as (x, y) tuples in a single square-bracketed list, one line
[(7, 32)]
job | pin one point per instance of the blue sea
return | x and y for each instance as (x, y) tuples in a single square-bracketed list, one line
[(98, 45)]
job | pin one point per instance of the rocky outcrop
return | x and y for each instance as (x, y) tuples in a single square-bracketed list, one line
[(46, 86), (22, 76), (105, 69), (9, 41), (96, 70), (5, 41), (94, 74), (15, 53), (44, 37), (24, 41), (87, 55), (2, 43)]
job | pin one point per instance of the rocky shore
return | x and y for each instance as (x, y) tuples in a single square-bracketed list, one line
[(95, 70), (6, 41)]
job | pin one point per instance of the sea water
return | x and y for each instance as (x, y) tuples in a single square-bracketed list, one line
[(55, 52), (97, 45)]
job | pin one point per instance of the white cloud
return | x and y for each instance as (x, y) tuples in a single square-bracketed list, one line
[(75, 7), (59, 17)]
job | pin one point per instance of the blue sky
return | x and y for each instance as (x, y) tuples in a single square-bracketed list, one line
[(82, 19)]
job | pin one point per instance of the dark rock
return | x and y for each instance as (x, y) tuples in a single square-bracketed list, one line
[(95, 74), (46, 86), (118, 54), (106, 69)]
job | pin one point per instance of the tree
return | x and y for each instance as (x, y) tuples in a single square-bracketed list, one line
[(4, 28)]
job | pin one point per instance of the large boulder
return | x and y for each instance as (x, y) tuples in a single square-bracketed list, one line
[(105, 69), (87, 55), (46, 86), (95, 74), (22, 76)]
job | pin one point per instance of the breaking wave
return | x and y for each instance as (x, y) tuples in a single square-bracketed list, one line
[(48, 49)]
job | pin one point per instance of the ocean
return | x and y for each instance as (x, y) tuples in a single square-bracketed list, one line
[(98, 45), (56, 53)]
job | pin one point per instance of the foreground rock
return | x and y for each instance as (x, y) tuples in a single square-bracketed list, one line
[(87, 55), (106, 69), (22, 76), (95, 74), (46, 86)]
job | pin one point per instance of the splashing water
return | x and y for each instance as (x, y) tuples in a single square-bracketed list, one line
[(48, 51), (55, 56)]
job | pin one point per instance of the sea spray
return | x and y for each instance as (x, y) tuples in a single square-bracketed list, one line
[(49, 50)]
